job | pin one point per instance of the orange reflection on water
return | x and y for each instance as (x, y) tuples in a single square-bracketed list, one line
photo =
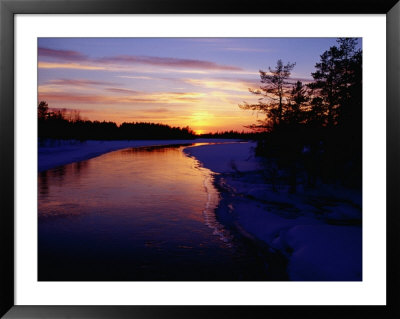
[(131, 181)]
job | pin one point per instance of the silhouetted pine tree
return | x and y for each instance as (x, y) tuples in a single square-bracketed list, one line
[(272, 94)]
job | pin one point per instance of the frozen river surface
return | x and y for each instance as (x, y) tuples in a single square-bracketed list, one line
[(138, 214)]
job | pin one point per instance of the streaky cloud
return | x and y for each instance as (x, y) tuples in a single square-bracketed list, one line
[(160, 97), (74, 56), (137, 77), (79, 82), (68, 65), (238, 49), (123, 91), (157, 110), (65, 55), (80, 98), (161, 61)]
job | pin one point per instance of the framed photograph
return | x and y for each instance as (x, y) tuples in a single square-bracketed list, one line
[(193, 160)]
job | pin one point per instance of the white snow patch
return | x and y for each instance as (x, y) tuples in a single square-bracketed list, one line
[(226, 158), (300, 225)]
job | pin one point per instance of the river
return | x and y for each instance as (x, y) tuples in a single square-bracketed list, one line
[(138, 214)]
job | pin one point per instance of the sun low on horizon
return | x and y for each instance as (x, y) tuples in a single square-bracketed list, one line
[(195, 82)]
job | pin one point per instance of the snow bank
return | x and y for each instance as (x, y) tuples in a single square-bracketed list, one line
[(226, 158), (338, 251), (53, 153), (319, 231)]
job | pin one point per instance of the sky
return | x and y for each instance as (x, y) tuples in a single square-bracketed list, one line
[(195, 82)]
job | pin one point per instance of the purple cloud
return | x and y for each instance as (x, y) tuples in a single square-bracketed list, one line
[(168, 62), (79, 82), (65, 55), (123, 91)]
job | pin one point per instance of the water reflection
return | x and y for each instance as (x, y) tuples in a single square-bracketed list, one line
[(43, 184), (136, 214)]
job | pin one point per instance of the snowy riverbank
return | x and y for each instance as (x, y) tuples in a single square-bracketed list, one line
[(317, 230), (53, 153)]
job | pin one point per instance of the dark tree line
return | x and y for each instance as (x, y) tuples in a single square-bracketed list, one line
[(313, 132), (62, 125), (231, 135)]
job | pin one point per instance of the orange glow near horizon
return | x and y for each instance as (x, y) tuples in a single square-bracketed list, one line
[(203, 111), (174, 81)]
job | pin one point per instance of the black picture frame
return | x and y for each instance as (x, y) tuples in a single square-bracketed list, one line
[(8, 8)]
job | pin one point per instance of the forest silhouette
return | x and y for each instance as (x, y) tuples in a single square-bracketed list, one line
[(60, 124), (313, 131)]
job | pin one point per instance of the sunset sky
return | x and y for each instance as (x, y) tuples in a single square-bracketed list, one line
[(196, 82)]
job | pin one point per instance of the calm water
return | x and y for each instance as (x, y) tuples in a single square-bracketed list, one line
[(137, 214)]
